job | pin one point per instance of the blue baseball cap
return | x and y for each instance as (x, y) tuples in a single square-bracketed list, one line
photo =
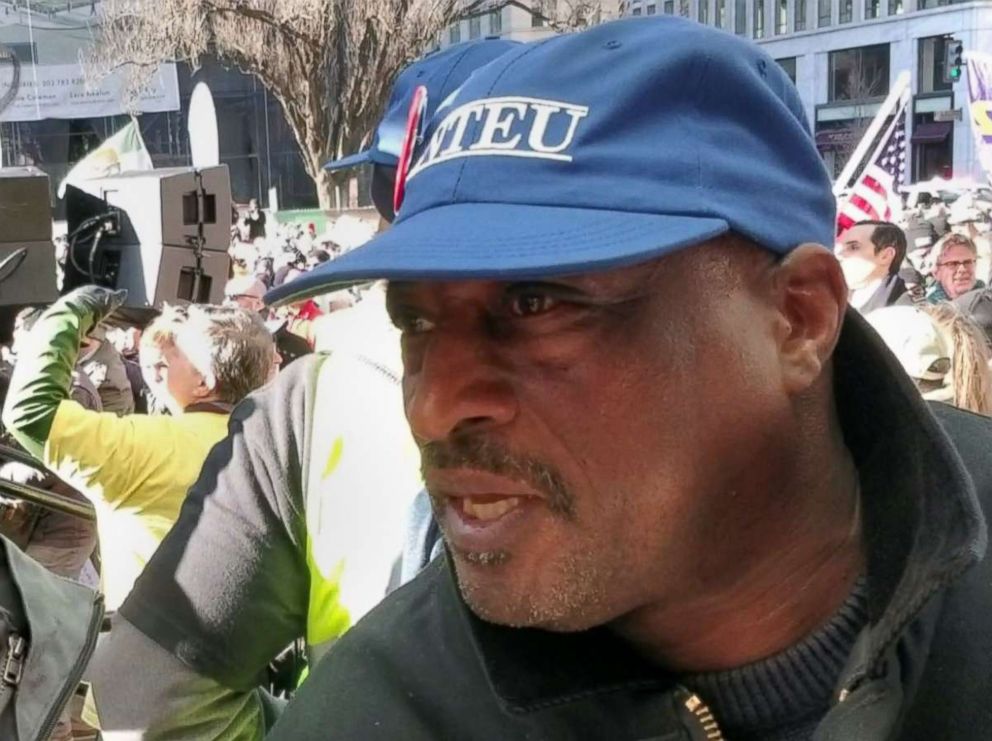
[(441, 72), (596, 150)]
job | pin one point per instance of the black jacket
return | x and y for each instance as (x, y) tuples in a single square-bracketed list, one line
[(887, 294), (422, 666)]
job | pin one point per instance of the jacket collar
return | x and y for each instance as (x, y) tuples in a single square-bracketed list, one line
[(922, 523)]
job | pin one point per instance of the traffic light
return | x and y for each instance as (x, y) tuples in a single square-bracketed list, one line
[(953, 61)]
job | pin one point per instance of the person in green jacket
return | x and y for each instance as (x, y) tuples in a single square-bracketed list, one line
[(135, 469)]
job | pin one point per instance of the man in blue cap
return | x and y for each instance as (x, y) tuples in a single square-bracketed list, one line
[(685, 492), (292, 529)]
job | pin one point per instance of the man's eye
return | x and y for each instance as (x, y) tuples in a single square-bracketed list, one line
[(530, 304), (412, 324)]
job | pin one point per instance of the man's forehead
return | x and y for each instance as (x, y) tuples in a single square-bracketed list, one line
[(724, 255), (959, 247), (858, 233), (593, 282)]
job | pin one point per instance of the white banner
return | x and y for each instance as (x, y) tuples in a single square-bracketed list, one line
[(61, 91)]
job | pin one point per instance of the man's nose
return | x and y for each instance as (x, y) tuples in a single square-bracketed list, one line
[(457, 385)]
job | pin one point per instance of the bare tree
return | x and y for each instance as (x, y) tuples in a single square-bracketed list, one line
[(573, 15), (329, 63), (862, 87)]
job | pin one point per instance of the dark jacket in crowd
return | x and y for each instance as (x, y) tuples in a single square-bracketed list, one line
[(422, 666), (48, 630), (887, 294), (978, 305)]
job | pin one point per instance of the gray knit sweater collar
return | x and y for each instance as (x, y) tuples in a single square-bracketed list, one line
[(782, 696)]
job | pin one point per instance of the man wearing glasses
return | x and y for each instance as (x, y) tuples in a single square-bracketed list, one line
[(955, 269)]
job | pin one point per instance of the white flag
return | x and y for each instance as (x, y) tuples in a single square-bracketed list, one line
[(125, 151)]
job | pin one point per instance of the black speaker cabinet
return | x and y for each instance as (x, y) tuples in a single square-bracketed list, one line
[(165, 219), (27, 255)]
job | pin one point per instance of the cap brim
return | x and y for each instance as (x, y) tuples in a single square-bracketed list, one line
[(352, 160), (493, 241), (368, 157)]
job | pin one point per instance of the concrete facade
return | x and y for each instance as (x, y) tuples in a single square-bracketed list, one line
[(808, 31)]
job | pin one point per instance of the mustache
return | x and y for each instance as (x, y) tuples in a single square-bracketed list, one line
[(481, 454)]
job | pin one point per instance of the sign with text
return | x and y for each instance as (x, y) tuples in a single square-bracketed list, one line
[(61, 91), (951, 115)]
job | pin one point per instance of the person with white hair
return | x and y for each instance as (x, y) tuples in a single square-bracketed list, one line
[(955, 260), (136, 469), (246, 292)]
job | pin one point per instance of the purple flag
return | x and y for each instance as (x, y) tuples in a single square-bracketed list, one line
[(979, 68)]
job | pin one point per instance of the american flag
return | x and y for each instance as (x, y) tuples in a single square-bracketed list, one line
[(875, 196)]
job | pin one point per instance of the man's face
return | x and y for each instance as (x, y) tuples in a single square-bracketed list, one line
[(858, 259), (584, 439), (171, 377), (956, 270), (253, 205)]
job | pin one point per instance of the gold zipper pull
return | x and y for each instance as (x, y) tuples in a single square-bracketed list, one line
[(702, 713)]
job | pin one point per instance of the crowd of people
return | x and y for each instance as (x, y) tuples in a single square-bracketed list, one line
[(121, 416), (919, 283), (620, 451)]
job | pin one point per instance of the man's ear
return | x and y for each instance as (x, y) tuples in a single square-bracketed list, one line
[(206, 387), (892, 251), (812, 297)]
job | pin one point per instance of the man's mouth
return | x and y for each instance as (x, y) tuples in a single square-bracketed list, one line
[(485, 508)]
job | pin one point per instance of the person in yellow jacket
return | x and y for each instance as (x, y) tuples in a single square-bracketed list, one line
[(135, 469), (293, 528)]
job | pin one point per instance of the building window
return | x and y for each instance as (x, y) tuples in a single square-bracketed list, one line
[(895, 7), (932, 66), (636, 11), (846, 14), (759, 19), (455, 32), (782, 17), (824, 11), (740, 17), (799, 21), (540, 11), (873, 8), (496, 23), (789, 65), (720, 15), (475, 27), (933, 147), (859, 74), (703, 12), (684, 10)]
